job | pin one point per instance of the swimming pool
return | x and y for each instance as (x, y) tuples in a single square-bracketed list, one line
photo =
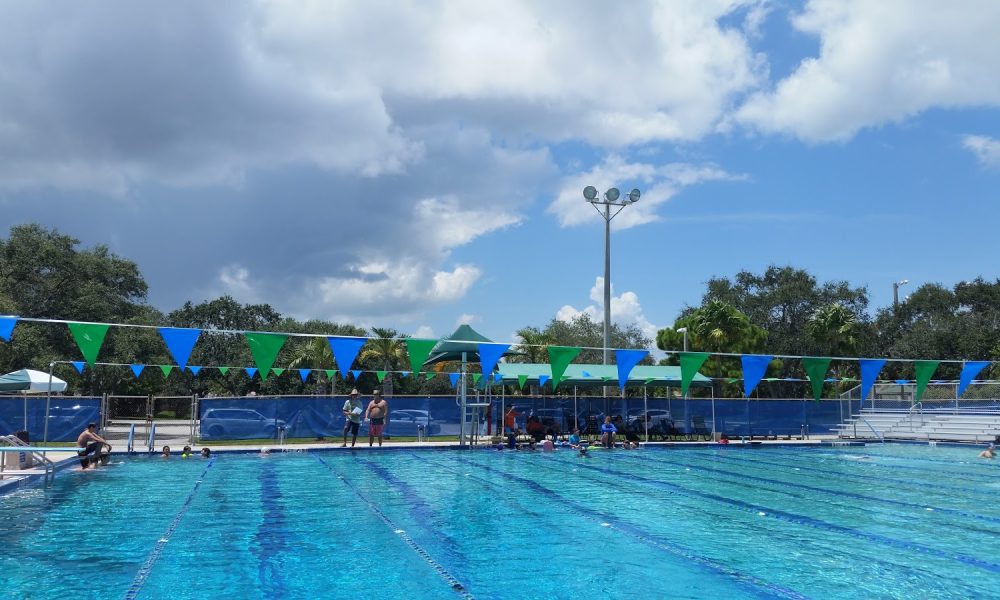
[(893, 521)]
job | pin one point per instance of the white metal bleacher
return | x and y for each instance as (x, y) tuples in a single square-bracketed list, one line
[(956, 425)]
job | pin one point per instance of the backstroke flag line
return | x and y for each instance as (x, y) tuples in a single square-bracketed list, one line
[(7, 327), (627, 360), (89, 337), (559, 359), (925, 370), (180, 343), (754, 367), (345, 350), (265, 347), (489, 354), (870, 368), (690, 363), (419, 350), (816, 369), (969, 372)]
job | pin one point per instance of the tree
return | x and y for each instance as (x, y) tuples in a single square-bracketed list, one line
[(387, 351), (834, 329)]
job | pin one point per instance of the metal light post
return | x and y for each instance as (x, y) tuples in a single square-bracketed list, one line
[(684, 330), (895, 292), (611, 198)]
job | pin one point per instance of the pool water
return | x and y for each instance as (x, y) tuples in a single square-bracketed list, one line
[(892, 521)]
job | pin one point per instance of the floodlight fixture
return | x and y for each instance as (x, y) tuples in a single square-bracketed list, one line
[(633, 196), (590, 193), (612, 195)]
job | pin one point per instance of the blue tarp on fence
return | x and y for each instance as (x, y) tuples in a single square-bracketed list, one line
[(68, 416)]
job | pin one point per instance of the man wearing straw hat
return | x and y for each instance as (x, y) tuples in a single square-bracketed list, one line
[(352, 417)]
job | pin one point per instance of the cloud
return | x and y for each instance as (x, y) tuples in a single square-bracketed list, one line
[(424, 331), (658, 184), (881, 62), (986, 149), (625, 310), (467, 319)]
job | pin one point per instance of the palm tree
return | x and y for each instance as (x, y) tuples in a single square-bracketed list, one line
[(386, 349), (720, 327), (532, 349), (314, 354), (834, 328)]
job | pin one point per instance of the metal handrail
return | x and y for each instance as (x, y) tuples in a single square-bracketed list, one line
[(152, 438), (131, 439), (46, 462)]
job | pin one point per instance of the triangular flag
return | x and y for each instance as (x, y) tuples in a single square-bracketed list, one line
[(453, 377), (559, 359), (7, 327), (649, 381), (475, 378), (380, 375), (521, 379), (627, 360), (89, 337), (816, 369), (137, 369), (754, 367), (356, 373), (277, 372), (969, 372), (690, 363), (330, 373), (166, 370), (925, 370), (304, 374), (345, 350), (251, 371), (585, 373), (180, 342), (419, 350), (429, 375), (489, 354), (78, 365), (543, 378), (194, 370), (404, 373), (223, 370), (265, 347), (497, 377), (870, 368)]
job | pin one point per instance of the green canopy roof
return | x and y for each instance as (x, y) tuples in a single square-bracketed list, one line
[(597, 375), (464, 340)]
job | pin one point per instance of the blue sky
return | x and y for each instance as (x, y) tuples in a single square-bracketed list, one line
[(418, 166)]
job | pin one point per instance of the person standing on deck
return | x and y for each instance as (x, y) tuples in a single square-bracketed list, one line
[(510, 419), (378, 417), (352, 417)]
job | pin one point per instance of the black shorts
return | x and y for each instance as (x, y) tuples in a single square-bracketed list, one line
[(92, 448), (353, 426)]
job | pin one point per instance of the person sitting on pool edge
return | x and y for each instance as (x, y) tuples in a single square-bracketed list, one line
[(88, 443), (989, 453), (608, 431)]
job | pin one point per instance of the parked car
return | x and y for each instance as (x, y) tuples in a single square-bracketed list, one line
[(408, 422), (238, 423), (655, 416)]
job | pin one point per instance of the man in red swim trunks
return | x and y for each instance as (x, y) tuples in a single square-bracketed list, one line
[(377, 415)]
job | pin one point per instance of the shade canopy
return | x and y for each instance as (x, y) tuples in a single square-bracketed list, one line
[(465, 340), (29, 381), (597, 375)]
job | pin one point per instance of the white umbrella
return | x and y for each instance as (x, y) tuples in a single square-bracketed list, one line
[(29, 381)]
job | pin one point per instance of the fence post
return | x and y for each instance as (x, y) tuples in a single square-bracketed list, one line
[(194, 413)]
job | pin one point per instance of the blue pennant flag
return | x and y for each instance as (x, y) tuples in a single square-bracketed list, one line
[(902, 381), (870, 368), (497, 377), (585, 373), (404, 374), (345, 350), (251, 371), (7, 327), (356, 373), (137, 369), (180, 342), (542, 379), (194, 370), (969, 372), (304, 374), (754, 367), (78, 365), (627, 360), (454, 379), (489, 354)]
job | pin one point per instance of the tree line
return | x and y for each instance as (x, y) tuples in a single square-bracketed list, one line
[(46, 274)]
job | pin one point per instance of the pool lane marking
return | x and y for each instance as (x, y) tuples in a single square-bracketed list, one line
[(631, 530), (855, 450), (147, 566), (971, 472), (845, 493), (272, 536), (864, 476), (457, 586), (799, 519)]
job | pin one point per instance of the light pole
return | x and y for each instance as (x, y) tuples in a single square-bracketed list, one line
[(684, 330), (895, 292), (611, 198)]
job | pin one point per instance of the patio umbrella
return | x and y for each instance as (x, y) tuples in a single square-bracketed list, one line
[(29, 381)]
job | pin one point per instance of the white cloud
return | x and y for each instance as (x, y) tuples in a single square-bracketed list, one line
[(424, 331), (882, 62), (625, 310), (986, 149), (658, 184), (235, 281), (467, 319)]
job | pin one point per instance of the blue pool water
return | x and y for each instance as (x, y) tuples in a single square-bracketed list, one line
[(893, 521)]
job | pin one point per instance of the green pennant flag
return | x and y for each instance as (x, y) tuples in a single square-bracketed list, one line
[(816, 369), (223, 370), (265, 347), (521, 380), (606, 378), (419, 350), (89, 337), (430, 375), (166, 370), (277, 371), (380, 375), (559, 359), (476, 377), (925, 370), (649, 381), (690, 363), (330, 373)]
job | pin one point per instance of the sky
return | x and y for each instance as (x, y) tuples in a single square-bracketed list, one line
[(421, 165)]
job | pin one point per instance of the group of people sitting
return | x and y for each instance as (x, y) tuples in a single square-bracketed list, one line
[(550, 442)]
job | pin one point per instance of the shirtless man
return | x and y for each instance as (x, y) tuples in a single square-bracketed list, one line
[(378, 415), (89, 443)]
